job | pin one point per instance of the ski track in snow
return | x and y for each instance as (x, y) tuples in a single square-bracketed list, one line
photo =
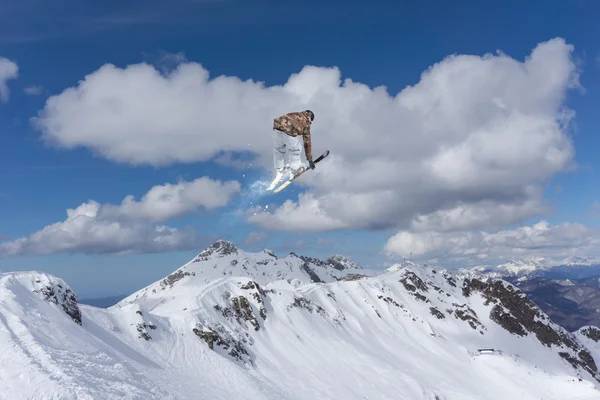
[(367, 339), (56, 358)]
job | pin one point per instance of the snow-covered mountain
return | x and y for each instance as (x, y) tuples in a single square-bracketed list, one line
[(539, 267), (401, 265), (233, 325), (567, 290), (570, 303), (224, 259), (576, 261), (522, 267)]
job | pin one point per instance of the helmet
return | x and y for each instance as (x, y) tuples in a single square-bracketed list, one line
[(310, 114)]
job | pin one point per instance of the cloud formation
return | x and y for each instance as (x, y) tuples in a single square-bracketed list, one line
[(168, 201), (540, 239), (477, 136), (131, 227), (8, 70)]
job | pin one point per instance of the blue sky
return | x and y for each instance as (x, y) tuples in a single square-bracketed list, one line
[(375, 43)]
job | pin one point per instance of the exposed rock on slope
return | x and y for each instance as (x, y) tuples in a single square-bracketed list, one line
[(591, 332), (49, 288), (570, 303), (517, 314)]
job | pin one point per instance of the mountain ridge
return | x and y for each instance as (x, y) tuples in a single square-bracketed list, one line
[(412, 333), (568, 290), (223, 258), (528, 267)]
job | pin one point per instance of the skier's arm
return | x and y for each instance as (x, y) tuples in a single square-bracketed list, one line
[(307, 145)]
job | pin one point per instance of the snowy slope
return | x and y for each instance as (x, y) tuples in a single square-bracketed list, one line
[(399, 266), (46, 354), (413, 333), (590, 337)]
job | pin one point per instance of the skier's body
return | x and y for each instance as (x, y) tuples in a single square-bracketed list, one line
[(289, 130)]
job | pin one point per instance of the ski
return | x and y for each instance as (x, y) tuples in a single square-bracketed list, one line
[(274, 182), (289, 181)]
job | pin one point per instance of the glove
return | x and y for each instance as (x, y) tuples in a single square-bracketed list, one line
[(311, 165)]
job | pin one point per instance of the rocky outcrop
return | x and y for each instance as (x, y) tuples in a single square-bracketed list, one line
[(232, 340), (388, 300), (436, 313), (342, 263), (311, 273), (323, 270), (175, 277), (517, 314), (307, 304), (243, 310), (258, 294), (142, 328), (414, 285), (62, 295), (219, 339), (465, 313), (353, 277), (220, 248), (591, 332)]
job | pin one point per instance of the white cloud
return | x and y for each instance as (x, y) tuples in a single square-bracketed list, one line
[(131, 227), (34, 90), (168, 201), (8, 70), (306, 218), (492, 214), (476, 136), (541, 239)]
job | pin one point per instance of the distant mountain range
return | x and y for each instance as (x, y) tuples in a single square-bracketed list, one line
[(540, 267), (570, 303), (568, 290)]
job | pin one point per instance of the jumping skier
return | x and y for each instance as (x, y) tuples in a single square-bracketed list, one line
[(287, 130)]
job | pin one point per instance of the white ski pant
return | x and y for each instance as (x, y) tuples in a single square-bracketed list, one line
[(285, 145)]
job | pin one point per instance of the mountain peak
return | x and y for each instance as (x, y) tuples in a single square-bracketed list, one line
[(223, 259), (270, 252), (342, 263), (45, 286), (220, 248), (580, 261), (404, 264)]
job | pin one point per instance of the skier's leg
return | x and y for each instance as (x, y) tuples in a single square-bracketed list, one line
[(294, 145), (279, 148)]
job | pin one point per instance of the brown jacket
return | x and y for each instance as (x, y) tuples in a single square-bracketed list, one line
[(296, 124)]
